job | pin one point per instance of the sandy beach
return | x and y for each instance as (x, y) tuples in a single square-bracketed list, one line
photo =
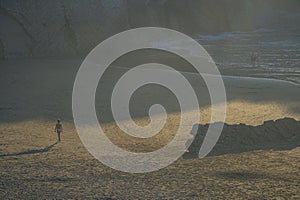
[(135, 87), (257, 156)]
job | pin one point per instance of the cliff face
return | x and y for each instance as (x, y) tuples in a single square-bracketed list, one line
[(56, 28)]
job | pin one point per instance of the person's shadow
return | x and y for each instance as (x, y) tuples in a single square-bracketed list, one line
[(34, 151)]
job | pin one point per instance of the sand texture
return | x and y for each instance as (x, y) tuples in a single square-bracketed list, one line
[(257, 156)]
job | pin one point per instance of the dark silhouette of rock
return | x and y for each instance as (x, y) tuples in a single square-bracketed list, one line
[(281, 134)]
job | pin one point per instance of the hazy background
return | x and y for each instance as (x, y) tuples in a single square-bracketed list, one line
[(72, 28), (230, 30)]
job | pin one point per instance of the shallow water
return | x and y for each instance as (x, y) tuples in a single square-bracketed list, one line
[(278, 51)]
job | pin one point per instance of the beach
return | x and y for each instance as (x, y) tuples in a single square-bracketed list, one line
[(257, 156)]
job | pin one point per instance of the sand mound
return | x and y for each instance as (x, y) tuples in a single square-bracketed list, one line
[(281, 134)]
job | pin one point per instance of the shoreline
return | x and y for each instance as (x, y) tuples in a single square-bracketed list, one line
[(224, 71), (285, 77)]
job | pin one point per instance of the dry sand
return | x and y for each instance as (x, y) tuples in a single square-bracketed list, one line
[(253, 159)]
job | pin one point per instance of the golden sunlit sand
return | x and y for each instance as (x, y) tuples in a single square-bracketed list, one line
[(33, 165)]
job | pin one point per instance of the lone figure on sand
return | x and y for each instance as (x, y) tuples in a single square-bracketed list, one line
[(58, 129)]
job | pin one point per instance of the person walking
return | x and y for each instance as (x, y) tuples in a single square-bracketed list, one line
[(254, 58), (58, 129)]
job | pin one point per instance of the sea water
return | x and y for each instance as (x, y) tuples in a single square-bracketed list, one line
[(278, 51)]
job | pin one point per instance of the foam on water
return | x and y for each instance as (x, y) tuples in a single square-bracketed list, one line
[(278, 50)]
